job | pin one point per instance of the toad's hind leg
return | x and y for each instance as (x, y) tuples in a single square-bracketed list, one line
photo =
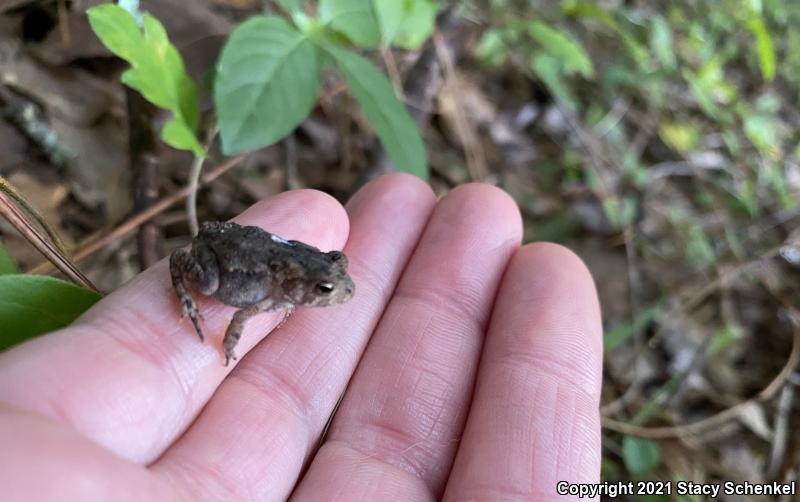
[(235, 328), (200, 269)]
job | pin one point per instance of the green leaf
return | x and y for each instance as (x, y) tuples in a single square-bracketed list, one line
[(492, 49), (661, 41), (619, 211), (157, 70), (176, 134), (7, 265), (640, 455), (682, 137), (699, 249), (354, 19), (764, 46), (390, 118), (710, 88), (593, 11), (725, 336), (31, 305), (762, 131), (570, 53), (267, 82), (625, 331), (405, 23), (548, 69)]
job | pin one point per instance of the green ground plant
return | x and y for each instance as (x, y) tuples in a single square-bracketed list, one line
[(267, 79)]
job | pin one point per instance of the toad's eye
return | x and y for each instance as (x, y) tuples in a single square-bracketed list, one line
[(274, 266), (325, 288)]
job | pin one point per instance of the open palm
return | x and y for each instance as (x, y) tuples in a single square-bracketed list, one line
[(470, 368)]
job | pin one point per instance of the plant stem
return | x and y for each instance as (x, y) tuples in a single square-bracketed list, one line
[(194, 183), (191, 200)]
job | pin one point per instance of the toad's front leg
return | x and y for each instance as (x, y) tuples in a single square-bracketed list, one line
[(199, 269), (236, 327)]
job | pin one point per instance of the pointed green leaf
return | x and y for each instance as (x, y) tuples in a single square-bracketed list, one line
[(568, 51), (117, 29), (31, 305), (548, 68), (176, 134), (640, 455), (157, 70), (661, 42), (7, 265), (405, 23), (267, 82), (390, 118), (354, 19), (764, 46)]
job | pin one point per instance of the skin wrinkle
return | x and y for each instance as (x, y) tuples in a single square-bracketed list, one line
[(400, 443), (239, 473), (356, 473), (275, 387), (459, 306), (196, 473), (420, 333), (397, 437), (585, 427), (543, 364)]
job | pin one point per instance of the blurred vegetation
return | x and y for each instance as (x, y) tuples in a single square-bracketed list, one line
[(681, 119)]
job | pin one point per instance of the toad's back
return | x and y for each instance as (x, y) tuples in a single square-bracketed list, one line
[(237, 247)]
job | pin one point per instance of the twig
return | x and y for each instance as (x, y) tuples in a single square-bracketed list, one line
[(777, 453), (11, 192), (142, 150), (715, 420), (698, 296), (51, 249), (149, 233), (94, 243), (612, 118), (63, 24), (394, 72), (638, 335), (473, 151)]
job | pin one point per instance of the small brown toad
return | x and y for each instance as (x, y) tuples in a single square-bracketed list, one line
[(256, 271)]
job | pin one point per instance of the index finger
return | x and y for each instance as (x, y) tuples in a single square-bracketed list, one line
[(129, 374)]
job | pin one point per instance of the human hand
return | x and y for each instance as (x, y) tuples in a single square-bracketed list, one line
[(474, 371)]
